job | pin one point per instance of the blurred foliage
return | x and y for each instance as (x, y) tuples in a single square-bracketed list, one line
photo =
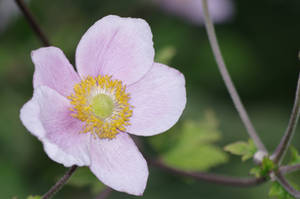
[(295, 157), (84, 177), (279, 192), (260, 46), (165, 55), (193, 148), (244, 149), (34, 197)]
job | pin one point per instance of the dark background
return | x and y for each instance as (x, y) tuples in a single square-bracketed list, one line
[(260, 46)]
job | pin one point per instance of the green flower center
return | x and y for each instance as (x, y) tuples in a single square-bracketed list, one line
[(102, 106)]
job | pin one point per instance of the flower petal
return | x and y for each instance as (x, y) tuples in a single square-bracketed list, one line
[(121, 47), (119, 164), (29, 115), (47, 116), (158, 99), (53, 69)]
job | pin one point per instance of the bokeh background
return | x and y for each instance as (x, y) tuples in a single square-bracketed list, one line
[(260, 40)]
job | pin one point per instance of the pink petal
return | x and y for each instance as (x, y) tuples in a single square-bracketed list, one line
[(119, 164), (121, 47), (29, 115), (53, 69), (158, 99), (47, 116)]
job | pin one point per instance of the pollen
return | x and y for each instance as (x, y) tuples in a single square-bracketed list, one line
[(102, 104)]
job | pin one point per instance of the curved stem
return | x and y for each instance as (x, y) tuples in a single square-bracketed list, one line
[(286, 185), (286, 139), (289, 168), (32, 22), (208, 177), (226, 77), (105, 193), (60, 183)]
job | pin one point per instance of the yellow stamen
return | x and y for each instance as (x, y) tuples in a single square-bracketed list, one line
[(103, 104)]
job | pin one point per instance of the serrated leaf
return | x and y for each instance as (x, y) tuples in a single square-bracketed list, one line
[(295, 157), (279, 192), (84, 177), (194, 149), (34, 197), (244, 149)]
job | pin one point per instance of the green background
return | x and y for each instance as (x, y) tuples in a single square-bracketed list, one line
[(260, 46)]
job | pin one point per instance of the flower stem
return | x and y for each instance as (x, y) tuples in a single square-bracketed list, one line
[(32, 22), (60, 183), (226, 77), (289, 168), (209, 177), (286, 139)]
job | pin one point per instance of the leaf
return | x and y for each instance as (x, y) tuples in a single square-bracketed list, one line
[(205, 131), (279, 192), (264, 169), (84, 177), (267, 166), (195, 158), (34, 197), (193, 149), (295, 157), (244, 149)]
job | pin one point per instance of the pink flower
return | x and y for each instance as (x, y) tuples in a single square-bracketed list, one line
[(191, 10), (83, 118)]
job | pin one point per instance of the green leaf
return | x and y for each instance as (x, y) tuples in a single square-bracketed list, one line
[(84, 177), (194, 148), (267, 166), (279, 192), (195, 158), (295, 157), (264, 169), (244, 149), (34, 197)]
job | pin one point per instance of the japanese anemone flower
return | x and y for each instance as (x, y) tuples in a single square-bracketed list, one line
[(83, 118)]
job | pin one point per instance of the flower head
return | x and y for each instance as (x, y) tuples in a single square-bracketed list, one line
[(83, 118)]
